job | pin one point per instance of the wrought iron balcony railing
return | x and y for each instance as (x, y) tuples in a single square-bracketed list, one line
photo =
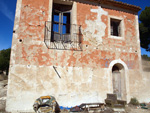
[(63, 37)]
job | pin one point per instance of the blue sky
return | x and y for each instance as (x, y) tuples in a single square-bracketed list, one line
[(7, 14)]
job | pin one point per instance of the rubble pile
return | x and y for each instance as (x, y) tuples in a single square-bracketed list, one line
[(3, 92)]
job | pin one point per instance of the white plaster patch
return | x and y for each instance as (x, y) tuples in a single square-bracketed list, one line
[(130, 50), (96, 25), (13, 48), (17, 15)]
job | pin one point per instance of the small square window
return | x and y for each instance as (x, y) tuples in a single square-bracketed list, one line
[(115, 27)]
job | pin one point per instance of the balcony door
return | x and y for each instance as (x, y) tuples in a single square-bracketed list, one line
[(61, 25)]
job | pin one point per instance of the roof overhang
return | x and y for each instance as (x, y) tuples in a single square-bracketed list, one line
[(118, 4)]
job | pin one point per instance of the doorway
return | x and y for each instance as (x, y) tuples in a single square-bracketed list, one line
[(118, 79)]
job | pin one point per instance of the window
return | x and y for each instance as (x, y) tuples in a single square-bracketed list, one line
[(115, 27), (62, 31), (61, 23)]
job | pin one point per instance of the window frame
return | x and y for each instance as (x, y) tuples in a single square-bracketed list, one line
[(60, 24), (121, 27)]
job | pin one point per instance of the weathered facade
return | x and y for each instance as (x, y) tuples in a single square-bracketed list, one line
[(77, 51)]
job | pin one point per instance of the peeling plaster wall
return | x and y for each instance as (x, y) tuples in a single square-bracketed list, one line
[(108, 49), (95, 29), (85, 76), (75, 85)]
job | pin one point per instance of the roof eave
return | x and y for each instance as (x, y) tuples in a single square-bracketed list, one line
[(118, 4), (122, 5)]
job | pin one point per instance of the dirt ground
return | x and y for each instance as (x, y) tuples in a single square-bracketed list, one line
[(135, 110), (3, 92)]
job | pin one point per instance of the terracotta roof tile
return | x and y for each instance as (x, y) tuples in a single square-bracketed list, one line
[(119, 4), (126, 4)]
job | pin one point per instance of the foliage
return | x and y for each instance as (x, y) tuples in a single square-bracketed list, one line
[(4, 59), (134, 101), (145, 57), (145, 28)]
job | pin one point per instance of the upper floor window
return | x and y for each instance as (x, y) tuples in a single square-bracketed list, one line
[(62, 32), (61, 25), (116, 28)]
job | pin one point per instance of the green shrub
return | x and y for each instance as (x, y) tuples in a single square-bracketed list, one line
[(134, 101)]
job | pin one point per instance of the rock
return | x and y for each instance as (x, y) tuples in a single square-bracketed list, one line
[(108, 110), (3, 92), (1, 78), (2, 105)]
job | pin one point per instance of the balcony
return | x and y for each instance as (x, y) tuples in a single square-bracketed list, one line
[(63, 37)]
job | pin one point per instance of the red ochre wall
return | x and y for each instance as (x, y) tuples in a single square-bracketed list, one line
[(33, 51)]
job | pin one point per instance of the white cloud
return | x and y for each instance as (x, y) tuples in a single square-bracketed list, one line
[(5, 10)]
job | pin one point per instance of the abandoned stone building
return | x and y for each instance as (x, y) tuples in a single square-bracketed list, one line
[(77, 51)]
